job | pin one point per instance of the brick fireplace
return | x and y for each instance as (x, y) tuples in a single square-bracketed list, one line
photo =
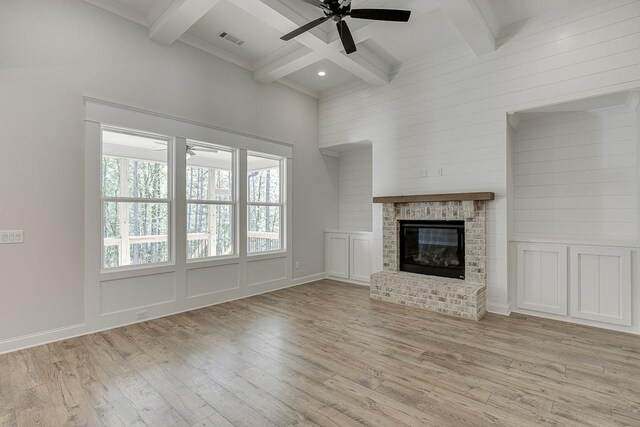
[(464, 298)]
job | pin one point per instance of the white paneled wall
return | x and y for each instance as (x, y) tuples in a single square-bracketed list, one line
[(355, 190), (575, 175), (74, 49), (448, 110)]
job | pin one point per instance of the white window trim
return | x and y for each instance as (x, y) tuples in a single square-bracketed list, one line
[(100, 113), (234, 202), (125, 239), (282, 205)]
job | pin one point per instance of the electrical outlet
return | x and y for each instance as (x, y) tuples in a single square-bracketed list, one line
[(8, 237), (297, 265), (143, 315)]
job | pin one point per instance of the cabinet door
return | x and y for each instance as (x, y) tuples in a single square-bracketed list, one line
[(336, 247), (601, 284), (542, 277), (360, 259)]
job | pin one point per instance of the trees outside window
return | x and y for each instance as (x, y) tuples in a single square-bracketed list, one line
[(211, 201), (137, 195), (135, 199), (265, 203)]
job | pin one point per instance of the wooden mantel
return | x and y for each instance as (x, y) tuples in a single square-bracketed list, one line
[(451, 197)]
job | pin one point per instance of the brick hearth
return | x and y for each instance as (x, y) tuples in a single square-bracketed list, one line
[(462, 298)]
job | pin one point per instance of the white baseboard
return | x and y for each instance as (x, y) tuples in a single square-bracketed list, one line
[(502, 309), (72, 331), (353, 282), (308, 279), (40, 338), (635, 329)]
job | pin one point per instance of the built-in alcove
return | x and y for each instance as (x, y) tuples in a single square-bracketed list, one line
[(348, 249), (355, 188), (573, 209)]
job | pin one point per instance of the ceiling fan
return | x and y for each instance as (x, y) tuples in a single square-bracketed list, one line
[(337, 10), (192, 150)]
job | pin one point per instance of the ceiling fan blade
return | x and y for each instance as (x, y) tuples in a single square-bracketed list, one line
[(346, 37), (381, 14), (304, 28)]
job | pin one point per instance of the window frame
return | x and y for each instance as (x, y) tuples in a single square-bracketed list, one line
[(282, 204), (110, 199), (234, 203)]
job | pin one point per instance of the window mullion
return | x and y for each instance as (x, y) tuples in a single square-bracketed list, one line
[(123, 211), (212, 217)]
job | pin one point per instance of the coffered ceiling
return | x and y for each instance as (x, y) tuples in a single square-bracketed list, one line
[(255, 27)]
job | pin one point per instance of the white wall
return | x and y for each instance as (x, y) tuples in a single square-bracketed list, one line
[(355, 189), (53, 54), (575, 175), (448, 110)]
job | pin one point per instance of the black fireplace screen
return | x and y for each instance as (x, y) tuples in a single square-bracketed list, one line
[(435, 248)]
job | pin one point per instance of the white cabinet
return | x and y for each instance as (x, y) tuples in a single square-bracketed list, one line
[(348, 255), (360, 257), (601, 284), (336, 255), (576, 281), (542, 277)]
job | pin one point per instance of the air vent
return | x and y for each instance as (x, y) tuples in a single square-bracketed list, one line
[(231, 38)]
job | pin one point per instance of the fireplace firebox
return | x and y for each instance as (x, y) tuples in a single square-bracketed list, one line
[(435, 248)]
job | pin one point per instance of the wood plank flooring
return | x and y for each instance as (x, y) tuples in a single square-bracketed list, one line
[(324, 354)]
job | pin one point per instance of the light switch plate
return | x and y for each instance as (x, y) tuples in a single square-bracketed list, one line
[(8, 237)]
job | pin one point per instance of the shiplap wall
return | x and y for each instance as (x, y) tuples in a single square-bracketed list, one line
[(575, 175), (355, 190), (447, 110)]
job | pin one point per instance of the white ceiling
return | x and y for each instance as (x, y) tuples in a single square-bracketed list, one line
[(308, 76), (382, 46), (423, 34), (260, 38)]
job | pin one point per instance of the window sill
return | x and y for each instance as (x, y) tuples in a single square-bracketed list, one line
[(267, 255), (136, 271), (195, 264)]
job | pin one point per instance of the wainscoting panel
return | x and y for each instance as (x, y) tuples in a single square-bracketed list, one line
[(601, 284), (136, 292), (210, 280), (542, 277), (266, 270)]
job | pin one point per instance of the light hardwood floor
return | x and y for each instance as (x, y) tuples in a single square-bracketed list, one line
[(324, 354)]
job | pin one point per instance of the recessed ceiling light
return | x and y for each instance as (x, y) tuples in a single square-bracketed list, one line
[(322, 73)]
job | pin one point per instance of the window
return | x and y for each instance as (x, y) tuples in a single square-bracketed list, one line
[(265, 203), (136, 198), (210, 201)]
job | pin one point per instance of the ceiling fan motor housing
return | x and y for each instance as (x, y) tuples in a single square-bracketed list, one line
[(337, 10)]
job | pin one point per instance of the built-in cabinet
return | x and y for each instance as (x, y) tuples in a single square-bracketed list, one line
[(348, 255), (336, 255), (601, 284), (542, 277), (578, 281), (573, 209)]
